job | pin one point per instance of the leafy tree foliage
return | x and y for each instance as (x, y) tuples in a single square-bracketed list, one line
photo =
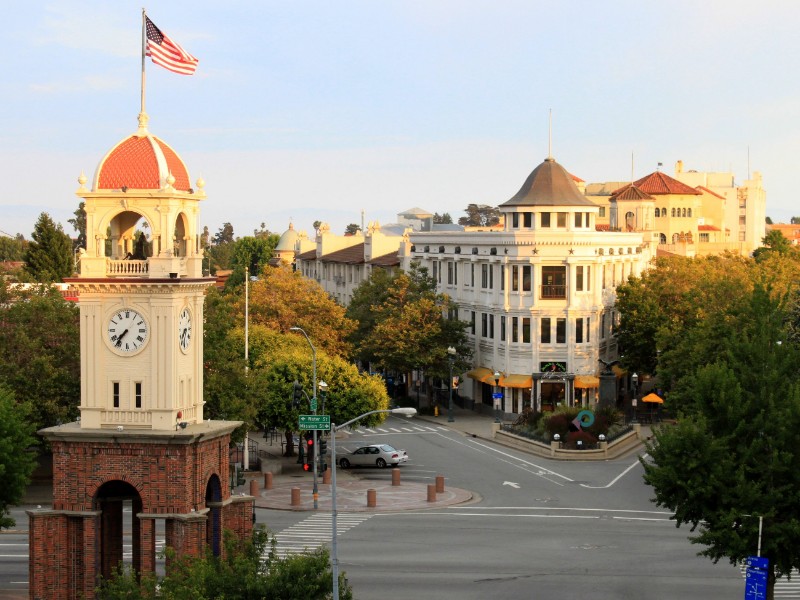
[(734, 458), (672, 316), (78, 222), (774, 242), (13, 248), (248, 570), (405, 324), (480, 215), (40, 352), (16, 461), (253, 253), (49, 254), (224, 235), (352, 229), (443, 219)]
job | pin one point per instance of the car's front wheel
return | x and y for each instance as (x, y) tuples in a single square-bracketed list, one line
[(381, 463), (344, 463)]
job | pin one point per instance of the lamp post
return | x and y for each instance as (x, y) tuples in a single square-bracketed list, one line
[(313, 410), (635, 383), (323, 390), (496, 396), (451, 354), (405, 411)]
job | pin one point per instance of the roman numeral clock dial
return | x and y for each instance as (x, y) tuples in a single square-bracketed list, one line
[(127, 331), (184, 329)]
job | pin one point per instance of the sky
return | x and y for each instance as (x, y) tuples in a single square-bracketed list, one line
[(319, 110)]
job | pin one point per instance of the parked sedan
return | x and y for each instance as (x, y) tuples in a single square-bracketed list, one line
[(377, 455)]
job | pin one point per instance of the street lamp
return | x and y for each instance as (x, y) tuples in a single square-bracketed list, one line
[(496, 396), (313, 409), (451, 354), (635, 383), (406, 412), (323, 390)]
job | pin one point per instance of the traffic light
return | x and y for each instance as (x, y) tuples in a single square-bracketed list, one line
[(309, 464), (297, 394), (323, 452)]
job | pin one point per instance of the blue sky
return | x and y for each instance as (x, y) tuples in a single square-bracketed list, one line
[(316, 110)]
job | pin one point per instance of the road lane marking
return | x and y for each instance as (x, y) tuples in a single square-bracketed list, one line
[(613, 481)]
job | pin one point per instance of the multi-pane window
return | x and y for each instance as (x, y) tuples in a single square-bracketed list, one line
[(545, 330), (491, 327), (515, 220), (450, 271), (491, 277), (561, 331), (526, 278), (514, 278), (502, 329), (137, 394), (502, 277), (472, 274), (484, 325), (545, 219), (526, 330), (582, 280), (554, 282), (485, 276), (578, 331), (578, 219), (115, 393), (435, 267), (528, 219), (514, 329), (561, 219), (472, 322)]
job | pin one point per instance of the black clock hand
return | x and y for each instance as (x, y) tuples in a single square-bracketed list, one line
[(119, 339)]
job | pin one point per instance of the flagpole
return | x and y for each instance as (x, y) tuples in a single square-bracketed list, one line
[(144, 34)]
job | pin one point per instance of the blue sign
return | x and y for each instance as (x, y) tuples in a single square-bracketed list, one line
[(497, 395), (757, 562), (755, 584)]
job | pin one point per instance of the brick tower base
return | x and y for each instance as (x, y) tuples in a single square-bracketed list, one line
[(180, 477)]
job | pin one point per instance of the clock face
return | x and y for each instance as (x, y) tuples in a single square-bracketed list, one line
[(127, 331), (184, 329)]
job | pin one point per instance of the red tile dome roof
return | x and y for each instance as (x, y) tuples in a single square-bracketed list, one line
[(141, 161)]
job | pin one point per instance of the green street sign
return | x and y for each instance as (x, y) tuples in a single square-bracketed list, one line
[(314, 404), (318, 422)]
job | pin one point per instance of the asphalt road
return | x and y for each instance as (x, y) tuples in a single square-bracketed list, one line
[(536, 528)]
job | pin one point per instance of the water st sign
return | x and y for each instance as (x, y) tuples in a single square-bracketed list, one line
[(318, 422)]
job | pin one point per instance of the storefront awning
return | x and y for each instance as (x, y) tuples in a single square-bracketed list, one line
[(482, 374), (516, 381), (583, 382)]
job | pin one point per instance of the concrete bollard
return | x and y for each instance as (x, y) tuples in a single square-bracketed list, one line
[(440, 484), (268, 481), (253, 487), (372, 498), (326, 476), (395, 477), (295, 496), (431, 493)]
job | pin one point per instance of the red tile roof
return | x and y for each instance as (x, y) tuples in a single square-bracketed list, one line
[(308, 255), (708, 191), (707, 228), (354, 255), (659, 184), (631, 192), (387, 260)]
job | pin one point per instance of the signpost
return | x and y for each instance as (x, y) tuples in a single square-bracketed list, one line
[(497, 395), (315, 422), (755, 583)]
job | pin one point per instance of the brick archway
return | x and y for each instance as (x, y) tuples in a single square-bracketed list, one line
[(214, 522), (110, 499)]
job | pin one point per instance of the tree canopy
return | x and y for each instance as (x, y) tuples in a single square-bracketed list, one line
[(249, 568), (40, 352), (49, 254), (732, 459), (16, 461), (480, 215)]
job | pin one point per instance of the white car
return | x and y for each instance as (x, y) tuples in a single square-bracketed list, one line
[(374, 455)]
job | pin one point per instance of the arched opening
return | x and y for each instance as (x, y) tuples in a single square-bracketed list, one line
[(214, 523), (180, 243), (118, 503), (630, 221), (129, 236)]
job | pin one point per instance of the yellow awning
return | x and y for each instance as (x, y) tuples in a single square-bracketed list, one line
[(516, 381), (482, 374), (653, 397), (583, 382)]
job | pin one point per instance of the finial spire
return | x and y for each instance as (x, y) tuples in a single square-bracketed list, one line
[(550, 136)]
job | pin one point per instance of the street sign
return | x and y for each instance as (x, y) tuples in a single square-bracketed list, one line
[(755, 582), (318, 422), (497, 395), (313, 404), (757, 562)]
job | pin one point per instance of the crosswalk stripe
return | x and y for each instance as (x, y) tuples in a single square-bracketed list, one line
[(312, 532)]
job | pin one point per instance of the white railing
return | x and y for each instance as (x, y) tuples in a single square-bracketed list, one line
[(126, 267), (133, 418)]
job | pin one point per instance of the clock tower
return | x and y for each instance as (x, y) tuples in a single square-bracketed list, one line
[(141, 440)]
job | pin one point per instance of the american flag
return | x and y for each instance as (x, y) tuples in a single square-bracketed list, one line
[(166, 53)]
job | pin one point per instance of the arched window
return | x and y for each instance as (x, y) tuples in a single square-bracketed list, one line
[(673, 211), (684, 212), (690, 212), (657, 214)]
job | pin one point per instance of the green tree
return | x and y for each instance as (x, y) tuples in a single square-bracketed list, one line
[(78, 222), (17, 462), (250, 569), (352, 229), (405, 324), (774, 241), (49, 254), (40, 352), (253, 253), (443, 219), (224, 235), (480, 215), (12, 248), (734, 458)]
